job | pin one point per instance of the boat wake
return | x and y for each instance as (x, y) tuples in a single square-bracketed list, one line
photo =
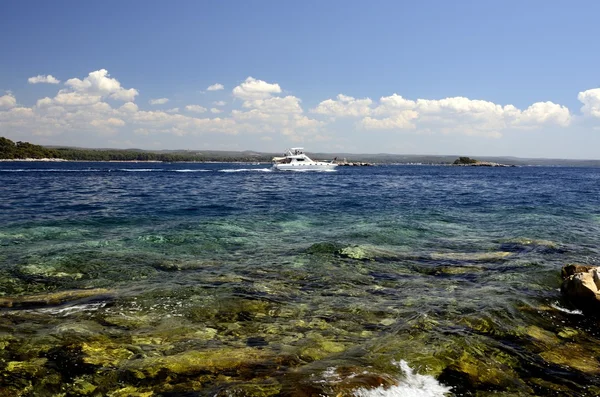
[(248, 170), (187, 170)]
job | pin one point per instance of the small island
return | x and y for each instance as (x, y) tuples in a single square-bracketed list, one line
[(467, 161)]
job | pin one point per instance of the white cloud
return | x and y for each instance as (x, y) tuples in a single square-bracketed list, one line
[(392, 104), (215, 87), (344, 106), (82, 108), (278, 115), (85, 106), (255, 89), (129, 107), (49, 79), (8, 101), (403, 120), (591, 102), (450, 115), (195, 108), (107, 126), (289, 104), (99, 83), (75, 98), (544, 113), (159, 101)]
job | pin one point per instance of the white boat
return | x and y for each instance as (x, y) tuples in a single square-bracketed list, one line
[(294, 159)]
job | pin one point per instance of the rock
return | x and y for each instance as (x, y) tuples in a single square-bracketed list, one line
[(323, 248), (581, 285), (470, 256), (104, 353), (46, 271), (81, 387), (368, 253), (574, 268), (31, 368), (193, 362), (130, 391), (355, 253), (574, 356)]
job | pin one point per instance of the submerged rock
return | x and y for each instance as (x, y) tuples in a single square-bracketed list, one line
[(581, 285), (47, 272), (195, 362), (470, 256), (323, 248), (368, 253), (574, 356)]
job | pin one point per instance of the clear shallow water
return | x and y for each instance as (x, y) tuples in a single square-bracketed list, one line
[(229, 279)]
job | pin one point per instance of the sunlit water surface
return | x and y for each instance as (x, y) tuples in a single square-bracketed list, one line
[(233, 280)]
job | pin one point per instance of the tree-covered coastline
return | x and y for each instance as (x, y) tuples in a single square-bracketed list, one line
[(10, 150)]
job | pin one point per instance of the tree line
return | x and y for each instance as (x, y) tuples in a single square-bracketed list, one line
[(10, 150)]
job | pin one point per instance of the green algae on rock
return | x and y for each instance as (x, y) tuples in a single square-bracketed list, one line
[(193, 362)]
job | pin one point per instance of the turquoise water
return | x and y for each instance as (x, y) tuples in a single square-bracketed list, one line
[(229, 279)]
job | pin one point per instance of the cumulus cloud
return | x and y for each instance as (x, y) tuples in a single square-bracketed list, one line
[(8, 101), (344, 106), (82, 107), (215, 87), (99, 83), (543, 113), (449, 115), (195, 108), (591, 102), (49, 79), (158, 101), (86, 106), (255, 89), (288, 104)]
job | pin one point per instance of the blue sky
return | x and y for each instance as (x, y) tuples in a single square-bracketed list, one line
[(431, 77)]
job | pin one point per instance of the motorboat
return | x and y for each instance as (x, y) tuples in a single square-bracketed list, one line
[(294, 159)]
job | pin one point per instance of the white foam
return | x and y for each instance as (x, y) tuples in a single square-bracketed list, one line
[(562, 309), (191, 170), (65, 311), (412, 385)]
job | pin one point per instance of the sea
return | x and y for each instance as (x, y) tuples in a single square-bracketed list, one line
[(223, 279)]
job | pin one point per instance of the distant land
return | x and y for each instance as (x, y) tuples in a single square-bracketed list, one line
[(10, 150)]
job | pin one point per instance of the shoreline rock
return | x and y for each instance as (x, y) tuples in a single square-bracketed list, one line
[(581, 286)]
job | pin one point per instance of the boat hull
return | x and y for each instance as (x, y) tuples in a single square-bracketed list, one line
[(305, 167)]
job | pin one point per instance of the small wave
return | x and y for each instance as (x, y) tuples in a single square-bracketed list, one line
[(51, 170), (65, 311), (412, 385), (248, 170), (562, 309), (191, 170)]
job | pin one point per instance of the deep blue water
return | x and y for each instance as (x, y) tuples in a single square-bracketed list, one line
[(367, 255)]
